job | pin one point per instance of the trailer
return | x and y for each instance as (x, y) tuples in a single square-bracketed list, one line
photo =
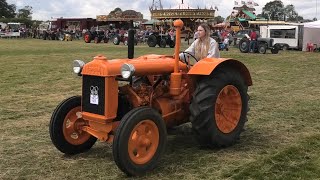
[(11, 30), (285, 36)]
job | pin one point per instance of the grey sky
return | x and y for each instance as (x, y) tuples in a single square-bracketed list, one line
[(44, 10)]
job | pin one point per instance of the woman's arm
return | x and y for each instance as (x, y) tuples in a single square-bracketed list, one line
[(213, 50), (191, 50)]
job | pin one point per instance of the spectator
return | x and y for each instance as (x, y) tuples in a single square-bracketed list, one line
[(253, 40)]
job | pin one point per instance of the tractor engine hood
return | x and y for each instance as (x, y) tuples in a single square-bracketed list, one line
[(144, 65)]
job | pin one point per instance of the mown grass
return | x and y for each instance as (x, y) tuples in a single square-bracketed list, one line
[(281, 140)]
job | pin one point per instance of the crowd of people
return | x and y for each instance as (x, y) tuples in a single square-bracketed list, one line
[(224, 38)]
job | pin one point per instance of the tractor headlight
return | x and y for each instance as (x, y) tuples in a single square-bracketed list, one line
[(77, 66), (127, 70)]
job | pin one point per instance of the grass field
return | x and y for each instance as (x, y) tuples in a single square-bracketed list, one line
[(281, 140)]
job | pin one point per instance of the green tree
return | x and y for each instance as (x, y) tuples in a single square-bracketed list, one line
[(218, 19), (25, 12), (115, 10), (273, 10), (290, 14), (7, 10)]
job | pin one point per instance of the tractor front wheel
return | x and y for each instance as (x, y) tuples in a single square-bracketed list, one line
[(262, 48), (219, 108), (140, 141), (65, 128), (162, 43), (116, 40)]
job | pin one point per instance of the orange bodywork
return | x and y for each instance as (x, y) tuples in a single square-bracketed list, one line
[(171, 98), (206, 67)]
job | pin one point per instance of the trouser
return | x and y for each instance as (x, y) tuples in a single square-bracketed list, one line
[(253, 45)]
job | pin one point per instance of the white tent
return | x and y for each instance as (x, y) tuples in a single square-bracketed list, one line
[(311, 34)]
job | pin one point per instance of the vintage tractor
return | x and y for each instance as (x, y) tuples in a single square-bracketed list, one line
[(261, 46), (97, 36), (160, 39), (124, 39), (155, 92)]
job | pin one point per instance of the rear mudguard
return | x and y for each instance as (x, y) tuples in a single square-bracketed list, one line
[(208, 65)]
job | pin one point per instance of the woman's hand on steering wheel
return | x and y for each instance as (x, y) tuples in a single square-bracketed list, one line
[(189, 54)]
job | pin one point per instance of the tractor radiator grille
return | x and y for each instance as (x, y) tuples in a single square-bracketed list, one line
[(93, 92)]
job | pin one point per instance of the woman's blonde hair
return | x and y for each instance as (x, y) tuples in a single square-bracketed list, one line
[(203, 45)]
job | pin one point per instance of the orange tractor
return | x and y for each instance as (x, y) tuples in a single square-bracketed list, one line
[(160, 92)]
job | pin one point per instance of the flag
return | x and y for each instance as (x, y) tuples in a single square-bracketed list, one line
[(236, 3), (256, 4), (216, 8), (243, 2)]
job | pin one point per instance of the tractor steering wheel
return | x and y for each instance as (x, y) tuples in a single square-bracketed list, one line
[(185, 58)]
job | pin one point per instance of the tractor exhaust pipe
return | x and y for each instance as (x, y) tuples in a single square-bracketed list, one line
[(178, 24), (176, 76), (131, 41)]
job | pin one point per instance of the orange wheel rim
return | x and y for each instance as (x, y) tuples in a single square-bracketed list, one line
[(143, 142), (72, 127), (228, 109), (86, 38)]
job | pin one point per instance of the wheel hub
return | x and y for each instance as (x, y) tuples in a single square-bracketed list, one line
[(72, 127), (228, 109), (143, 142), (86, 38)]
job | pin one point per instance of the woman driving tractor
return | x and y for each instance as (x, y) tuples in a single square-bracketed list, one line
[(203, 47)]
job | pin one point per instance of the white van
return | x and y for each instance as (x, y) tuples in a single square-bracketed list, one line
[(287, 36)]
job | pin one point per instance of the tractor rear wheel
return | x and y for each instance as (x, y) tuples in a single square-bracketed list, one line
[(152, 41), (65, 128), (244, 45), (140, 141), (219, 108)]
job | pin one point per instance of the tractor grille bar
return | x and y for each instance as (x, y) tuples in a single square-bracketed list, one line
[(93, 94)]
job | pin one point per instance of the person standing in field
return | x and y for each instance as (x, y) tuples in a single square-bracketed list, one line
[(253, 40)]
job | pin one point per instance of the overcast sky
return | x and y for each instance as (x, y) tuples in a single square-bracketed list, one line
[(45, 10)]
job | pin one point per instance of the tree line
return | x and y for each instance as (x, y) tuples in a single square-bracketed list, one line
[(10, 13), (275, 10)]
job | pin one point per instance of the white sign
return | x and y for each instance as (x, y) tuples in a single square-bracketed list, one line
[(94, 98)]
